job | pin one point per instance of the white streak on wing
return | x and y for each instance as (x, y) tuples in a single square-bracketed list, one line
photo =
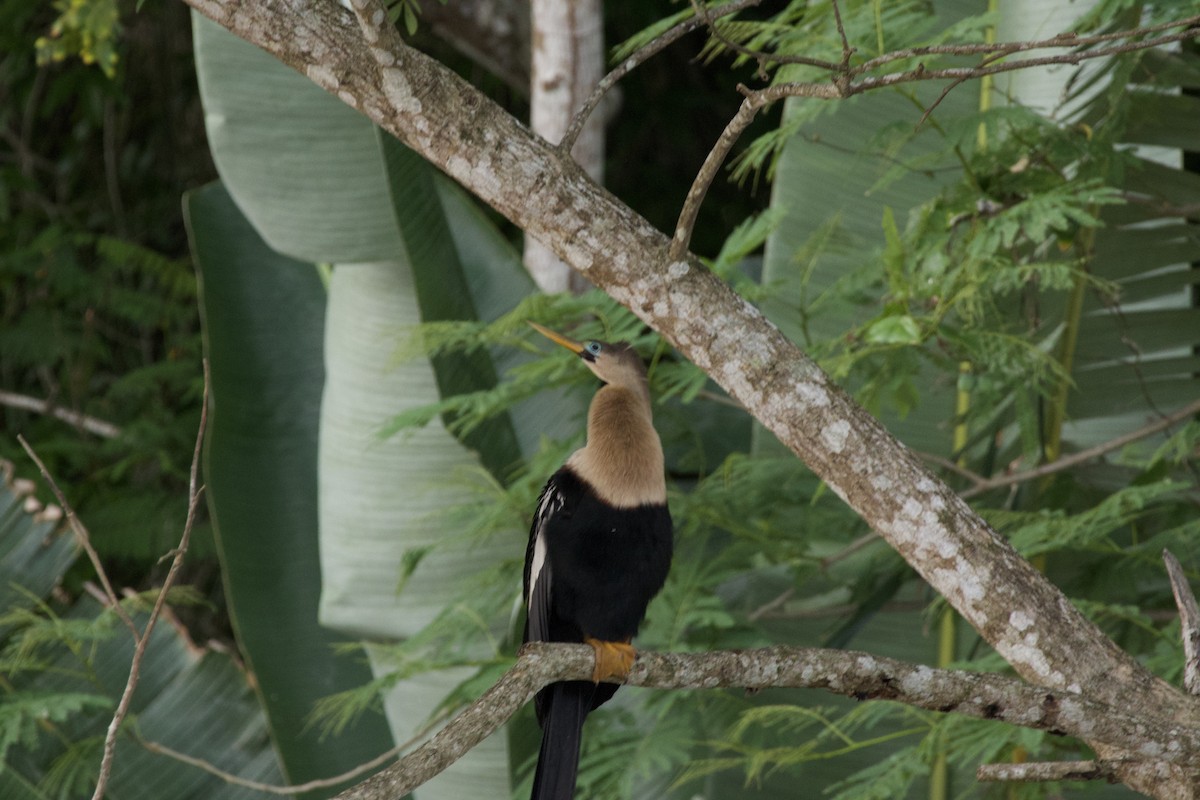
[(535, 570), (550, 504)]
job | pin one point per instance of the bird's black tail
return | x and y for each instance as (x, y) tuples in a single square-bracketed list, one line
[(564, 708)]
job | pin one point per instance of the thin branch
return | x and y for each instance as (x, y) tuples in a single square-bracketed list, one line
[(774, 604), (1082, 456), (920, 73), (299, 788), (720, 399), (937, 101), (644, 53), (99, 427), (1011, 47), (195, 491), (992, 51), (848, 673), (758, 55), (842, 86), (755, 101), (953, 466), (1189, 622), (844, 610), (849, 550), (982, 484), (1038, 771), (1066, 39), (847, 50), (83, 537)]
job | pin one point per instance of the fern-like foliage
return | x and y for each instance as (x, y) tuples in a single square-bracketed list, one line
[(24, 716)]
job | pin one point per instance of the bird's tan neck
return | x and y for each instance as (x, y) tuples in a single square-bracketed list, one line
[(623, 458)]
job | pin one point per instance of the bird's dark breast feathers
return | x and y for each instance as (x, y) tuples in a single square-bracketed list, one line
[(605, 563)]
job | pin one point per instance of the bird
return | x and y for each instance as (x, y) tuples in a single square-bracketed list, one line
[(599, 550)]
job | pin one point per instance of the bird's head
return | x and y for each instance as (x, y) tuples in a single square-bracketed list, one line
[(617, 364)]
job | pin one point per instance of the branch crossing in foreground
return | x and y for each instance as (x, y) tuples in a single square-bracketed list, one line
[(853, 674)]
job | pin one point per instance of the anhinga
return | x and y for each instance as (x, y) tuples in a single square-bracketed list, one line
[(599, 550)]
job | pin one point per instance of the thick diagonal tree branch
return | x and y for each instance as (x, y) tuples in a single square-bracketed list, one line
[(1023, 616)]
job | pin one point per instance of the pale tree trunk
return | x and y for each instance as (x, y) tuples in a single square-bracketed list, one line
[(1015, 609), (566, 64)]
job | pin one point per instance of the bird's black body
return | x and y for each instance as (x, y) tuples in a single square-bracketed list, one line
[(601, 568), (599, 550)]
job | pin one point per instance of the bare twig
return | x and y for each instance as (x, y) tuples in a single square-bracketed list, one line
[(1036, 771), (937, 101), (953, 466), (982, 484), (83, 537), (195, 491), (760, 56), (842, 611), (847, 50), (299, 788), (755, 101), (842, 86), (858, 675), (651, 48), (1008, 48), (1189, 622), (775, 603), (921, 73), (1082, 456), (849, 550), (991, 51), (92, 425)]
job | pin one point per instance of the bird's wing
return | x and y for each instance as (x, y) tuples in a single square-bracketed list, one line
[(538, 578)]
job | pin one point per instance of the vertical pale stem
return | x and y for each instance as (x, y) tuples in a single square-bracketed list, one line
[(1057, 412), (566, 63)]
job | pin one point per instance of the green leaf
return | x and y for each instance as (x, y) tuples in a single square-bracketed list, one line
[(344, 193), (443, 293), (899, 329), (24, 715), (301, 165), (263, 317)]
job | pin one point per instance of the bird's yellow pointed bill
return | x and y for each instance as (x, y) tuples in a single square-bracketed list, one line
[(572, 345)]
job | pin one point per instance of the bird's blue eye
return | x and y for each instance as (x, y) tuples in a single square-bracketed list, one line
[(593, 347)]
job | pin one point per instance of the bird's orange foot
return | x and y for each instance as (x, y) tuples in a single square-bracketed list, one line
[(613, 659)]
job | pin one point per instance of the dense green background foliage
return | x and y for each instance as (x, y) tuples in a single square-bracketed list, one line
[(1004, 286), (98, 312)]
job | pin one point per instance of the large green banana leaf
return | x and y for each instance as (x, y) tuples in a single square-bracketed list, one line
[(190, 698), (263, 315), (321, 184)]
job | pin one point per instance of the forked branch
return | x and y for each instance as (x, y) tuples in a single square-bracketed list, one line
[(846, 81)]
